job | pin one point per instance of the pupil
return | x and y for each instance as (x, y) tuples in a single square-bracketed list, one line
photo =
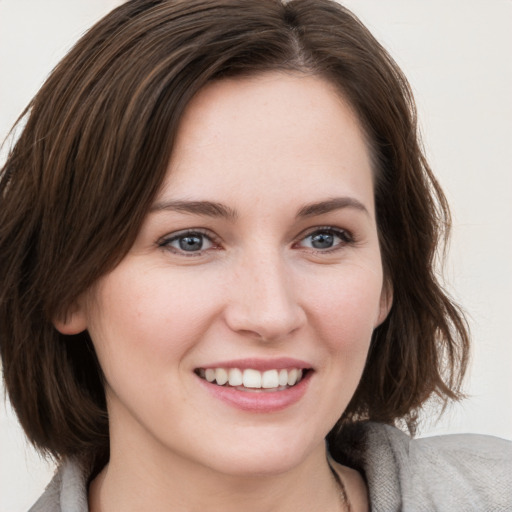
[(191, 243), (322, 241)]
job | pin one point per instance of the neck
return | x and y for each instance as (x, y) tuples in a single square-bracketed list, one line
[(130, 483)]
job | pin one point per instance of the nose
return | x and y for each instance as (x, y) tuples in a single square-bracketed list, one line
[(263, 299)]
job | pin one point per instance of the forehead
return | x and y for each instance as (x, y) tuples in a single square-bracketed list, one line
[(269, 134)]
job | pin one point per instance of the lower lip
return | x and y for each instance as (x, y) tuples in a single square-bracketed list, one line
[(259, 401)]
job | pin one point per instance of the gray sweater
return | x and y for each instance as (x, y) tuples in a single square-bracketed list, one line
[(464, 472)]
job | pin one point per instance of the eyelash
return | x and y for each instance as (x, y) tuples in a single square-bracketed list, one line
[(345, 237), (166, 242)]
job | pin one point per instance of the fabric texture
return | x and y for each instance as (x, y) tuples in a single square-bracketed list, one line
[(460, 472), (463, 472)]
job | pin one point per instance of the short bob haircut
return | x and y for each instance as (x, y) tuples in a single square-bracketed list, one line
[(93, 153)]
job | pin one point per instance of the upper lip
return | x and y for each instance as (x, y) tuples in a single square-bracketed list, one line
[(259, 364)]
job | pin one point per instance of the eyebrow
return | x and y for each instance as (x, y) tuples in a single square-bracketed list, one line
[(336, 203), (215, 209), (203, 208)]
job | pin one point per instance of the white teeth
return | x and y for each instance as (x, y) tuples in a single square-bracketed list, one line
[(253, 379), (235, 377), (270, 379), (221, 376), (292, 376)]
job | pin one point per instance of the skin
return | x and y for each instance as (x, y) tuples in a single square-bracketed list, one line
[(265, 148)]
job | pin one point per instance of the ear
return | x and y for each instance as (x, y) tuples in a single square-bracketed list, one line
[(386, 301), (72, 321)]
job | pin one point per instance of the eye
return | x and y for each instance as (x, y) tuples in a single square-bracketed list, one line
[(187, 242), (323, 239)]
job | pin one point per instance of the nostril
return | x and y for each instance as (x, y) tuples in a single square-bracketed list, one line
[(265, 326)]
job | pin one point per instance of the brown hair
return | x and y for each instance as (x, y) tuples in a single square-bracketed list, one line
[(98, 137)]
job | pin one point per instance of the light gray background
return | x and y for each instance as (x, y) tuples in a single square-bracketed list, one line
[(457, 56)]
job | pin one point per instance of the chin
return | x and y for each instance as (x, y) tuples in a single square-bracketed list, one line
[(266, 455)]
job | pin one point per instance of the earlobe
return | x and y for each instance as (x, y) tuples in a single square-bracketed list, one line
[(72, 321), (386, 301)]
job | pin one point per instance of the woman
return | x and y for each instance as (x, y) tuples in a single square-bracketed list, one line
[(218, 231)]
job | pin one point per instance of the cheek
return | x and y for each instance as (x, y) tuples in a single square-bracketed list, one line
[(140, 317), (345, 309)]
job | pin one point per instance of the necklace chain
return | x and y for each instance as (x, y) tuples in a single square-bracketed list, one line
[(343, 491)]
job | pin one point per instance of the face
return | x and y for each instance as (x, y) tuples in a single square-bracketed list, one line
[(241, 318)]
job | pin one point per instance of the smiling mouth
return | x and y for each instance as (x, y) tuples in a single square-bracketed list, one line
[(253, 380)]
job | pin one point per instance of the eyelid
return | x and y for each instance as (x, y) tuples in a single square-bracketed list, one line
[(343, 234), (165, 241)]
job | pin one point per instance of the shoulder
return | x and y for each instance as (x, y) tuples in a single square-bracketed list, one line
[(463, 471), (455, 472), (67, 491)]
